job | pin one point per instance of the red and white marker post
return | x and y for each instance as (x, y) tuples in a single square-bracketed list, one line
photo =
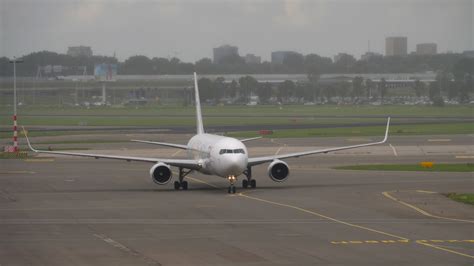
[(15, 135), (15, 130)]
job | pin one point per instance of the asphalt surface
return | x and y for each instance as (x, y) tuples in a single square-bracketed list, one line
[(70, 211)]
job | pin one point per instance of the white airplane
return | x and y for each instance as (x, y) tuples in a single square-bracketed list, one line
[(213, 155)]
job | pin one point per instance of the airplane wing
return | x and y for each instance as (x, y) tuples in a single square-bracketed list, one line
[(265, 159), (179, 146), (184, 163), (250, 139)]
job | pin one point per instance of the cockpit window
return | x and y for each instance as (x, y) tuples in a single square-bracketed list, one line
[(223, 151)]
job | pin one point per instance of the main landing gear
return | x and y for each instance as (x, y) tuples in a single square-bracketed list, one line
[(181, 183), (249, 181)]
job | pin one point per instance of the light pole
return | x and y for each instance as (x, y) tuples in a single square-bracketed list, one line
[(15, 131)]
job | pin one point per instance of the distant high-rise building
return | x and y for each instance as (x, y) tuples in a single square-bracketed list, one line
[(224, 51), (252, 59), (426, 48), (396, 46), (85, 51), (279, 57)]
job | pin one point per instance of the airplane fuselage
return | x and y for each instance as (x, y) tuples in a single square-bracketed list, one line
[(218, 155)]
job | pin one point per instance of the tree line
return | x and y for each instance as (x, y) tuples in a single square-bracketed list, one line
[(292, 64), (455, 85)]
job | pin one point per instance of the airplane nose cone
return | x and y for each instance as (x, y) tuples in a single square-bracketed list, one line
[(235, 165)]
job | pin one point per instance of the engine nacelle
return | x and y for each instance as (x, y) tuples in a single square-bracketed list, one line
[(278, 171), (161, 173)]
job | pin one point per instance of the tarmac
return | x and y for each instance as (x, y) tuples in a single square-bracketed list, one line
[(75, 211)]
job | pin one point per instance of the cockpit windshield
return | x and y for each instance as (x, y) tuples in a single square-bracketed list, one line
[(224, 151)]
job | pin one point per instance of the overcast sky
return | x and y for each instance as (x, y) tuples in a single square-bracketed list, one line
[(189, 29)]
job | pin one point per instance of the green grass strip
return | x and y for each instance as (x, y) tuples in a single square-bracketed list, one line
[(467, 198)]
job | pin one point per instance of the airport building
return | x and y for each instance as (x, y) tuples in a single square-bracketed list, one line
[(468, 53), (140, 89), (77, 51), (223, 52), (278, 57), (252, 59), (426, 48), (396, 46)]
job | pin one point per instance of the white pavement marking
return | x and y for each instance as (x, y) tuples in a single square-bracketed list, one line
[(465, 157), (439, 140), (394, 150), (426, 191), (114, 243), (120, 246)]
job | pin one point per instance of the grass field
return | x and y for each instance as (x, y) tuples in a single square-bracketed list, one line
[(395, 130), (265, 116), (271, 110), (467, 198), (462, 167)]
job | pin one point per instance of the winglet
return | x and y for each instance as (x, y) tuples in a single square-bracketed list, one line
[(386, 130), (199, 125), (28, 140)]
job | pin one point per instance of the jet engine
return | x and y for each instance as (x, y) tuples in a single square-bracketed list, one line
[(278, 171), (161, 173)]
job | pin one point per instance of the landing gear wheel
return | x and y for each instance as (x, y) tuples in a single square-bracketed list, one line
[(231, 189), (176, 185), (245, 183), (184, 185), (253, 183)]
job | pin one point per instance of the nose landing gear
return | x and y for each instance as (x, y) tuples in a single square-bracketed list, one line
[(231, 189)]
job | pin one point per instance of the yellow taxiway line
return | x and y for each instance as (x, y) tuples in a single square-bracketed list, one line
[(320, 215), (388, 195), (400, 239), (421, 241), (39, 160), (16, 172)]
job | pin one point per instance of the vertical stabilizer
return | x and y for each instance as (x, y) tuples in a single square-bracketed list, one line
[(200, 127)]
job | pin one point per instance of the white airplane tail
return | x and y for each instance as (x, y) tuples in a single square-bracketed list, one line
[(199, 125)]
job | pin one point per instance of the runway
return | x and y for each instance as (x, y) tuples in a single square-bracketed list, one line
[(70, 211)]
